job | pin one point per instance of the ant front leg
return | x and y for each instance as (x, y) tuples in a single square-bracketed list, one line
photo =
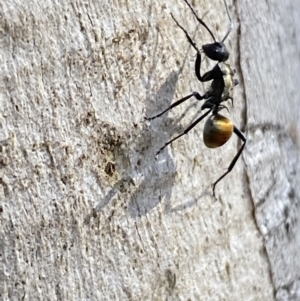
[(215, 73), (231, 165), (175, 104)]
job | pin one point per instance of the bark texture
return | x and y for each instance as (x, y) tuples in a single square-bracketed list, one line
[(88, 212)]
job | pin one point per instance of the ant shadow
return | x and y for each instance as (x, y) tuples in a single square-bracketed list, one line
[(155, 173), (148, 172)]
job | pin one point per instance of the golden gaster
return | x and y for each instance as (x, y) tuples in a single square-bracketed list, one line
[(217, 131)]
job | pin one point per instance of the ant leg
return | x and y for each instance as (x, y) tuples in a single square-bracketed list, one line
[(175, 104), (186, 130), (200, 21), (231, 165), (187, 35), (215, 73), (207, 76)]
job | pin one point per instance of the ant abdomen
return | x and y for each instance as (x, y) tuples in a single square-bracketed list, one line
[(217, 131)]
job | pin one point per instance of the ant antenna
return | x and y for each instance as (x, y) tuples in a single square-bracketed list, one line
[(230, 25), (186, 34), (202, 22)]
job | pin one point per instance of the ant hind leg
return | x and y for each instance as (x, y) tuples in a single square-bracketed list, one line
[(236, 157)]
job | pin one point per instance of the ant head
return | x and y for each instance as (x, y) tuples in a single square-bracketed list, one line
[(216, 51)]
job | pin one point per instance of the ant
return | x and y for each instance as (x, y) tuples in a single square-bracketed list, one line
[(217, 129), (216, 51)]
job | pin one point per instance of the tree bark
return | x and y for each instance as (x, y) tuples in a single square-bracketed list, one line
[(88, 212)]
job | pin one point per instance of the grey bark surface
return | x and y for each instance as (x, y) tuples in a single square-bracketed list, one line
[(88, 212)]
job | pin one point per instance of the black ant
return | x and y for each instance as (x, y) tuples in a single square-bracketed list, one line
[(217, 129), (216, 51)]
